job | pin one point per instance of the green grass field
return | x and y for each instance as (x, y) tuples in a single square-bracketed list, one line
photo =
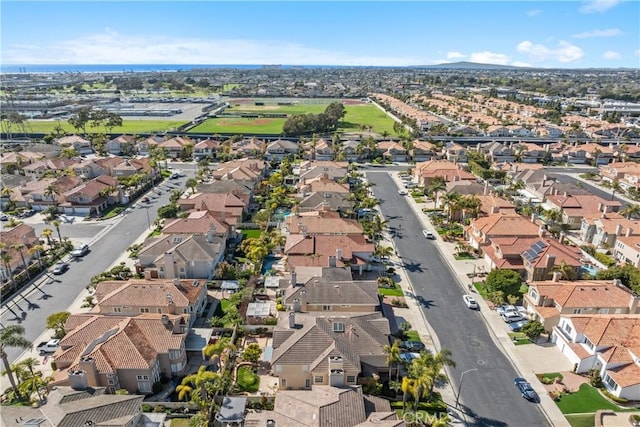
[(585, 400), (129, 127), (391, 292), (247, 380), (357, 117)]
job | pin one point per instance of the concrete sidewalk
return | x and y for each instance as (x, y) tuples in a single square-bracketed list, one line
[(546, 358)]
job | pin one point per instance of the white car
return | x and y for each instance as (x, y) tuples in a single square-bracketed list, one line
[(403, 192), (428, 235), (511, 316), (470, 302)]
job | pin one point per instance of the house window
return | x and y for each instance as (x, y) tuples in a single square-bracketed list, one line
[(351, 379), (159, 310), (111, 382), (326, 308), (278, 369), (610, 382), (117, 310), (112, 390), (568, 328), (577, 311), (144, 387), (283, 383), (603, 311), (144, 310), (318, 379), (307, 383), (142, 377), (176, 367), (338, 327)]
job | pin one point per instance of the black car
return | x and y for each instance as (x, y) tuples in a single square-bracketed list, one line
[(525, 389), (412, 346)]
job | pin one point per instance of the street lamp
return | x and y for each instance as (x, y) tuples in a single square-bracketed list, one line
[(460, 385)]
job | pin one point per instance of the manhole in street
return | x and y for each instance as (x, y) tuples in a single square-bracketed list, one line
[(475, 343), (481, 362)]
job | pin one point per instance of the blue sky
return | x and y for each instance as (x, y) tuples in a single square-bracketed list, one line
[(567, 34)]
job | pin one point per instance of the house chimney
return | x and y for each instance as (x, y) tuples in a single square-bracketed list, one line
[(211, 234), (292, 320), (297, 306), (533, 218), (87, 365), (618, 283), (629, 231), (542, 231), (294, 279), (495, 209), (600, 207), (165, 319), (146, 274), (562, 238), (618, 229), (486, 188), (556, 276), (169, 265), (339, 254), (78, 380), (551, 261)]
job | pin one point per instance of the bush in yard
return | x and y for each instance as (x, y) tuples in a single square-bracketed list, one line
[(595, 379), (533, 330), (506, 281)]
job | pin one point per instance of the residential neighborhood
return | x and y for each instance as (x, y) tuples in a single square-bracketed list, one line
[(334, 279)]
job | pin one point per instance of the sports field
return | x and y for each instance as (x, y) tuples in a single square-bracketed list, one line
[(358, 117), (128, 126)]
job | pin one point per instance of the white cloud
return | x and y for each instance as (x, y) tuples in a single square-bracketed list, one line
[(598, 6), (611, 32), (489, 58), (611, 54), (111, 47), (565, 52), (534, 12), (455, 55), (520, 64)]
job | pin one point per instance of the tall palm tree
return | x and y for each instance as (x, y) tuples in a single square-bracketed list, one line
[(51, 191), (12, 336), (19, 247), (567, 272), (450, 202), (46, 233), (631, 211), (393, 357), (6, 258), (32, 380), (553, 215), (37, 251), (192, 183), (56, 224), (437, 186)]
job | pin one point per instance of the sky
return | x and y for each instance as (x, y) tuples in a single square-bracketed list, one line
[(549, 34)]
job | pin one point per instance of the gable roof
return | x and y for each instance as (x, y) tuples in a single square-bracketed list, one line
[(320, 291), (585, 293), (505, 224)]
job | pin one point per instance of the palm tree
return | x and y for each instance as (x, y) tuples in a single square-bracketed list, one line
[(553, 215), (567, 272), (407, 390), (450, 202), (37, 251), (51, 191), (192, 183), (393, 357), (56, 224), (12, 336), (18, 247), (6, 258), (631, 211), (31, 380), (436, 186), (46, 233), (615, 186)]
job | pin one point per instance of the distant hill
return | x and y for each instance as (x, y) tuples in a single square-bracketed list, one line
[(466, 65)]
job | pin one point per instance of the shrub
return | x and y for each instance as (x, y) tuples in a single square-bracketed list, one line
[(270, 321), (145, 407), (280, 307), (613, 397), (605, 259), (159, 408), (595, 379), (156, 387), (555, 395)]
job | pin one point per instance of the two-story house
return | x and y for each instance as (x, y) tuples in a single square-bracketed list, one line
[(17, 240), (47, 167), (425, 172), (603, 230), (547, 300), (578, 206), (607, 343), (206, 148), (117, 352), (334, 350), (391, 150), (424, 151), (627, 249), (353, 250), (81, 145), (121, 145), (482, 230), (164, 296), (280, 148)]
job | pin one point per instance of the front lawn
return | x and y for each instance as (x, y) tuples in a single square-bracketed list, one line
[(585, 400), (224, 304), (482, 289), (247, 380), (413, 336), (519, 338), (180, 422), (464, 256), (393, 292), (251, 234), (581, 420)]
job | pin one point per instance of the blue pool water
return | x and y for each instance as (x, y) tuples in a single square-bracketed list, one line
[(589, 269), (281, 213), (268, 262)]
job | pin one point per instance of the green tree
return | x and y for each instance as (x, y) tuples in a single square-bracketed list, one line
[(631, 211), (252, 353), (56, 224), (506, 281), (533, 330), (437, 186), (12, 336), (393, 357), (56, 322), (192, 183), (81, 119)]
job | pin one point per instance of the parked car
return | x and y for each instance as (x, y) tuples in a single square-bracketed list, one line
[(501, 309), (48, 346), (412, 346), (428, 234), (526, 390), (4, 217), (511, 316), (80, 251), (403, 192), (517, 326), (60, 268), (470, 302)]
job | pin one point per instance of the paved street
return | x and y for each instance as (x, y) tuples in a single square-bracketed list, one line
[(488, 395), (34, 304)]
